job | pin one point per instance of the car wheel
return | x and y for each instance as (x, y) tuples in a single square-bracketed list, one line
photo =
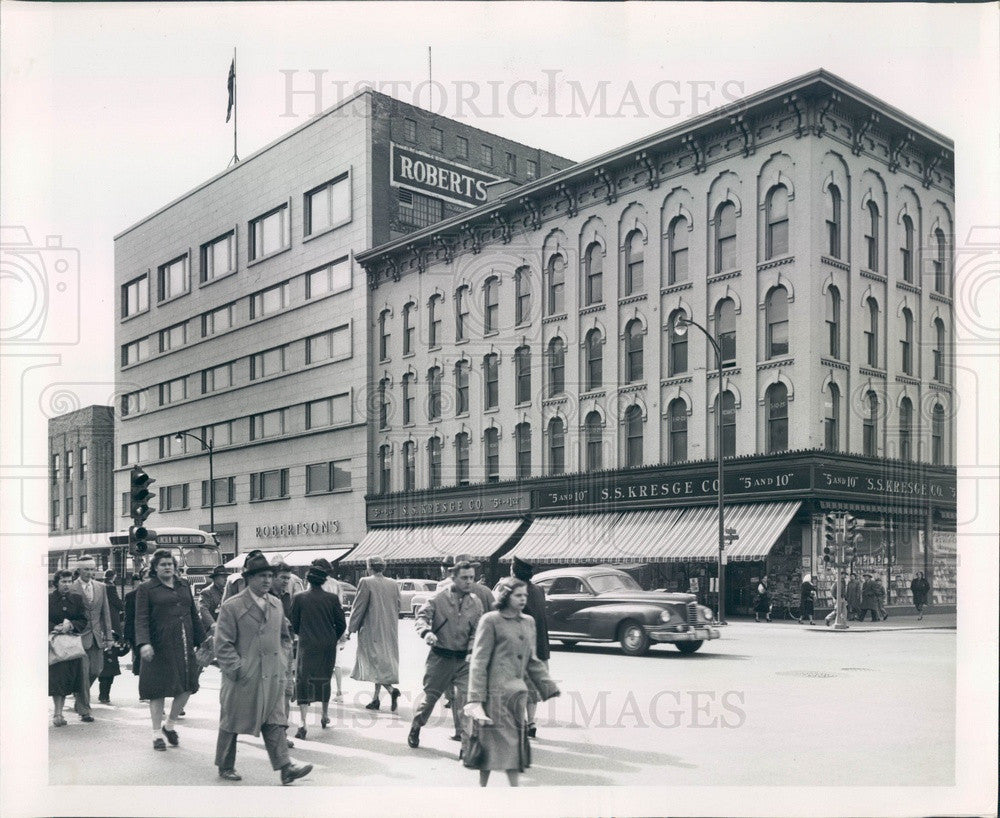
[(569, 643), (633, 638), (689, 647)]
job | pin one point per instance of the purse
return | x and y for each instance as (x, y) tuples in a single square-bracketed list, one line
[(474, 753), (65, 647), (205, 652)]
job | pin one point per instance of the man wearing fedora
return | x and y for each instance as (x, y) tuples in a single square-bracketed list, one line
[(210, 598), (253, 648)]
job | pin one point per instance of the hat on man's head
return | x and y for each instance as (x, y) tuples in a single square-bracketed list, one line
[(521, 569), (87, 562), (219, 571), (255, 563)]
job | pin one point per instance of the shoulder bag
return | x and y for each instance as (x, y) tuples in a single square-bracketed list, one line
[(64, 647)]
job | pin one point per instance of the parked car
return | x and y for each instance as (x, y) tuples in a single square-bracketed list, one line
[(414, 593), (346, 591), (604, 604)]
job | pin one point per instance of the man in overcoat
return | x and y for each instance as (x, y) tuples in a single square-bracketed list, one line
[(98, 634), (869, 598), (253, 648), (854, 597), (535, 609), (919, 587)]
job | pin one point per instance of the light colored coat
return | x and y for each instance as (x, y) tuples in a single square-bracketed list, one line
[(98, 614), (375, 618), (253, 649)]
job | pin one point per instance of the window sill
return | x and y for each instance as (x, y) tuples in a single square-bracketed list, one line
[(461, 341), (326, 230), (551, 319), (490, 333), (835, 262), (173, 510), (724, 275), (677, 287), (261, 259), (324, 493), (219, 505), (409, 354), (128, 318), (523, 405), (592, 308), (271, 499), (631, 299), (491, 411), (777, 261)]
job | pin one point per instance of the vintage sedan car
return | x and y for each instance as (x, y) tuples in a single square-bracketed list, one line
[(604, 604), (414, 593)]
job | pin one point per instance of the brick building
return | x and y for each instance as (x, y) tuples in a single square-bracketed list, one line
[(81, 471)]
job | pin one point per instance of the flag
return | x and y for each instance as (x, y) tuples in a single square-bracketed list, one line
[(231, 84)]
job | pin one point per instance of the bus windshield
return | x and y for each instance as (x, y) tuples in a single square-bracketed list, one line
[(198, 557)]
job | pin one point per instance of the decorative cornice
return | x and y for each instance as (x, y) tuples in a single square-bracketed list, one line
[(872, 373), (833, 362), (936, 296), (907, 379), (676, 288), (910, 288), (937, 386), (534, 213), (632, 387), (836, 263), (602, 175), (724, 276), (930, 165), (896, 150), (746, 128), (593, 308), (775, 364), (677, 380), (797, 108), (726, 371), (861, 130), (554, 401), (776, 262), (569, 194), (644, 159), (694, 144), (873, 276), (594, 393), (551, 319), (631, 299)]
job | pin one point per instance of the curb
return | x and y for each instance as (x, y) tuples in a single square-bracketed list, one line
[(886, 630)]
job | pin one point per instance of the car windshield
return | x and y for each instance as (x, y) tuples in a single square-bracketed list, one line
[(430, 586), (603, 583)]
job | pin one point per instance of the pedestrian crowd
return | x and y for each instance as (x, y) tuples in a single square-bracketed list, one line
[(275, 641)]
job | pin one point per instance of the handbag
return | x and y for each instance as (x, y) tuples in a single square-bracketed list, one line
[(64, 647), (474, 753), (205, 652)]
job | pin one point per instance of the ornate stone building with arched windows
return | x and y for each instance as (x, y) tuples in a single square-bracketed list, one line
[(808, 229)]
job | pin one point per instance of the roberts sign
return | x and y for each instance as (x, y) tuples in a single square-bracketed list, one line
[(436, 177)]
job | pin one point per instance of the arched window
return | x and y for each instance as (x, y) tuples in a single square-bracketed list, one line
[(557, 367), (833, 221), (777, 322), (491, 381), (593, 284), (833, 321), (905, 429), (383, 335), (408, 398), (408, 328), (871, 333), (871, 236), (776, 209), (939, 261), (461, 313), (491, 305), (937, 435), (522, 374), (462, 458), (522, 295), (557, 446), (633, 436), (776, 400), (677, 430), (434, 321), (522, 441), (869, 440), (831, 418), (434, 393), (383, 403), (462, 387), (384, 470), (725, 330), (726, 257), (677, 344), (728, 423), (491, 444), (939, 342), (594, 346), (633, 351), (677, 251), (409, 466), (634, 248), (906, 250), (556, 285), (906, 343), (434, 462), (594, 434)]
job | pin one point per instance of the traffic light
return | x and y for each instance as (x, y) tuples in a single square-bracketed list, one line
[(828, 554), (141, 540), (140, 495), (852, 536), (830, 529)]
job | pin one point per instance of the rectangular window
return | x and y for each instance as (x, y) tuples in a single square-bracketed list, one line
[(269, 485), (437, 139), (532, 169), (511, 164), (221, 434), (328, 412), (492, 456), (69, 512), (125, 503), (269, 301), (83, 462), (135, 351), (409, 130), (486, 155), (55, 515), (55, 468), (218, 320), (216, 378), (173, 337), (333, 344), (269, 233), (418, 210), (170, 446), (133, 402), (225, 492), (267, 424), (462, 459), (333, 278), (322, 478), (174, 498), (461, 147), (173, 391), (130, 453), (83, 511), (135, 296), (69, 466), (491, 367), (328, 205), (173, 279), (218, 257), (522, 439), (267, 363), (461, 389)]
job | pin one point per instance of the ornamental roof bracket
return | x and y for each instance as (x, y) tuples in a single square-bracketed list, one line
[(446, 248), (930, 165), (612, 194), (831, 99), (746, 132), (644, 159), (896, 150), (419, 257), (472, 235), (694, 143), (392, 267), (797, 106), (570, 197), (506, 228), (534, 212), (861, 130)]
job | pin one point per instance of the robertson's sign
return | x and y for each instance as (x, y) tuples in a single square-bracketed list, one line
[(444, 180)]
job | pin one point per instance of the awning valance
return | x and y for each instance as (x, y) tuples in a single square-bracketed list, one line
[(432, 544), (273, 557)]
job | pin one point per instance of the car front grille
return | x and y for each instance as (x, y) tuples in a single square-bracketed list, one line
[(692, 612)]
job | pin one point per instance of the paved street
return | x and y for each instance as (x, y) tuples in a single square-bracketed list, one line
[(768, 704)]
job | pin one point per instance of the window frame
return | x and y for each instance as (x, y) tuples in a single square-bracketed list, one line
[(831, 418), (633, 423), (871, 236), (777, 424), (434, 451), (635, 254), (634, 350), (557, 366), (774, 222), (557, 446), (409, 331), (141, 292), (594, 441), (832, 317), (491, 381), (677, 431), (869, 426), (522, 375), (776, 316), (434, 393), (594, 347), (164, 279), (871, 333), (593, 281), (834, 222), (206, 258), (491, 305), (522, 450), (462, 445), (676, 272), (906, 429), (409, 398), (462, 387), (491, 454), (409, 466), (906, 249), (726, 245), (461, 312), (258, 223), (726, 339), (434, 321), (522, 295), (906, 342), (258, 485), (556, 285)]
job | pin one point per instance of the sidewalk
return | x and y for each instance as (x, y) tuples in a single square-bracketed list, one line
[(909, 622)]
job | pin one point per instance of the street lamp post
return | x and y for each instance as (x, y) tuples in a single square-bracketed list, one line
[(680, 328), (211, 475)]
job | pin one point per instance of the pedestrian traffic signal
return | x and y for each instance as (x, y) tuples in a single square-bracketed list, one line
[(141, 540), (140, 495)]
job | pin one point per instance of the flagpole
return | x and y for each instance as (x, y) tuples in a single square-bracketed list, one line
[(236, 155)]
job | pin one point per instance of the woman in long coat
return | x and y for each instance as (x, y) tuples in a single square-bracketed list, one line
[(503, 654), (66, 615), (762, 605), (807, 593), (375, 618), (167, 630), (318, 620)]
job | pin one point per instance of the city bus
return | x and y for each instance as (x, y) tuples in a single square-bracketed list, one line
[(197, 552)]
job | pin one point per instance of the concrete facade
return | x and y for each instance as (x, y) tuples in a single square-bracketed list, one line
[(81, 463)]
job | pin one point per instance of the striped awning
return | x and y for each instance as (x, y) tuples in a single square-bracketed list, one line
[(567, 539), (434, 543), (695, 538), (306, 556)]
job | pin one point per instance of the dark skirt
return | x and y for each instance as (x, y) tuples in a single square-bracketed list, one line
[(313, 672), (763, 603), (66, 678), (505, 742), (807, 605), (111, 667)]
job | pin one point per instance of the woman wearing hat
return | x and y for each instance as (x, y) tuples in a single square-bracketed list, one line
[(66, 615), (318, 620)]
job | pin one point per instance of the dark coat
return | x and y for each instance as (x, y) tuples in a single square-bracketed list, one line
[(869, 595), (920, 588), (209, 601), (115, 604), (317, 618), (806, 595), (128, 627), (66, 677), (167, 619), (536, 610), (854, 593)]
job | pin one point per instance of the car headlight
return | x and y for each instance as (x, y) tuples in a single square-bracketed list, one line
[(665, 616), (707, 613)]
